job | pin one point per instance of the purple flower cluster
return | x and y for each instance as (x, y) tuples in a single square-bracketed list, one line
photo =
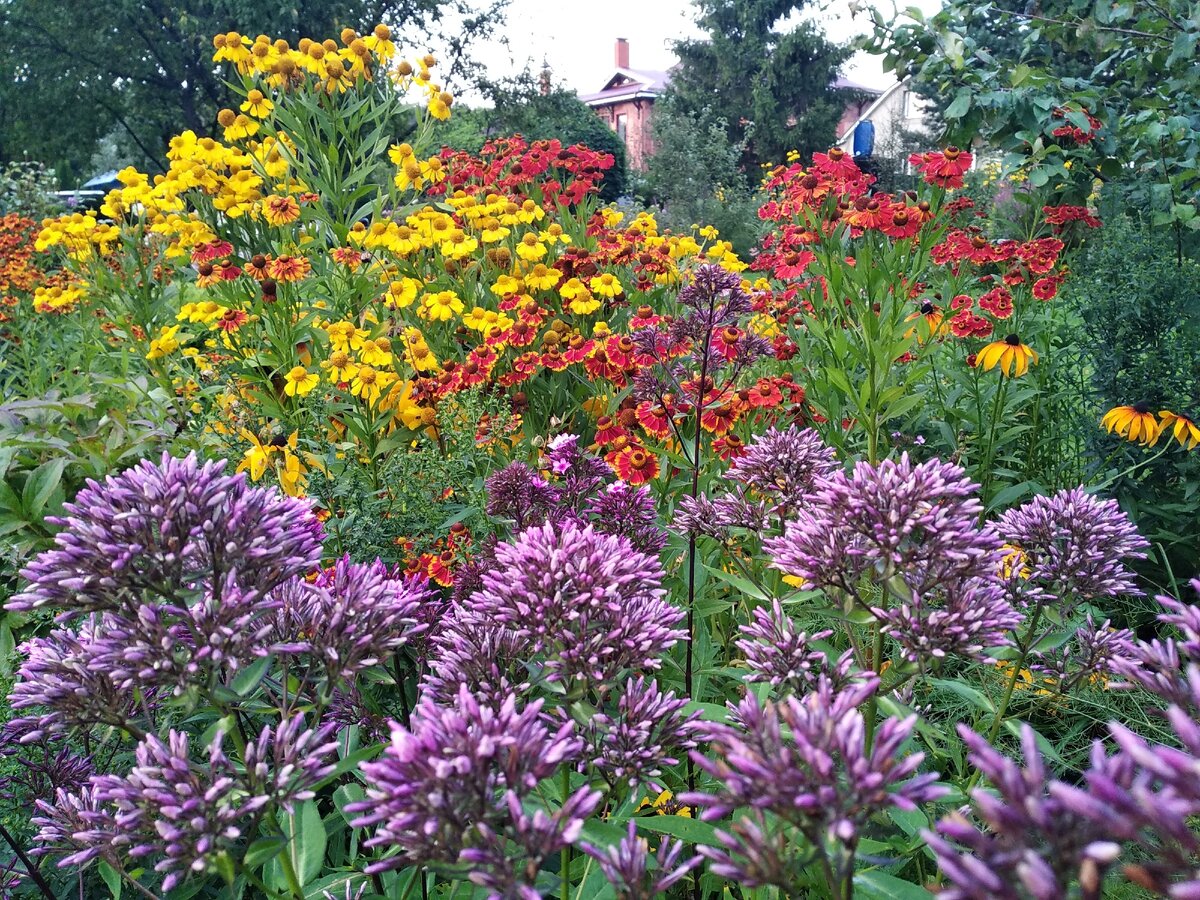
[(453, 789), (773, 479), (350, 617), (583, 492), (1075, 546), (1034, 845), (647, 731), (586, 603), (805, 761), (788, 659), (912, 529), (174, 563), (626, 865), (162, 529)]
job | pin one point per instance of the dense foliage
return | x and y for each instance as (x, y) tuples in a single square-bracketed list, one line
[(450, 534)]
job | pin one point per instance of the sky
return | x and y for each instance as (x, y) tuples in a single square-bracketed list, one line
[(576, 38)]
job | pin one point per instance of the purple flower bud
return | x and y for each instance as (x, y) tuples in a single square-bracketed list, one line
[(627, 865)]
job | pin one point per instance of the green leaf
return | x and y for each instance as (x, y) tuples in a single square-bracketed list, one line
[(112, 878), (248, 679), (305, 833), (878, 884), (959, 105), (263, 850), (339, 884), (968, 693), (40, 485), (691, 830)]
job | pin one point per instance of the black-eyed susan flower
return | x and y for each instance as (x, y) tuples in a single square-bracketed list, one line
[(1185, 430), (1135, 422), (299, 381), (1010, 355)]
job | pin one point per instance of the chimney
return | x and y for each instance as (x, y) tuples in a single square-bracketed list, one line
[(622, 53)]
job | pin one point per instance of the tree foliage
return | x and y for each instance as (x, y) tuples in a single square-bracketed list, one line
[(769, 81), (1070, 89), (73, 73)]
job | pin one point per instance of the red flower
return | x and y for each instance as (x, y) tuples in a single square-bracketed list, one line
[(654, 419), (729, 447), (998, 302), (944, 168), (1045, 288), (608, 430), (635, 465)]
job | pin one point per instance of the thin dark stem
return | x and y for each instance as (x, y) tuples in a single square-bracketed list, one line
[(33, 871)]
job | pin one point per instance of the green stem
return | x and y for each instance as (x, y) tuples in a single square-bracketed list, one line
[(289, 870), (566, 850)]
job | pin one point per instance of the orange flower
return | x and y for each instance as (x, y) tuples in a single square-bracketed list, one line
[(280, 210), (289, 268)]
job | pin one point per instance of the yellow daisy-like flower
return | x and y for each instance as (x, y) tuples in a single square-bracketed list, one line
[(664, 804), (368, 383), (1185, 430), (542, 278), (402, 292), (441, 307), (1010, 355), (373, 354), (583, 304), (531, 248), (257, 455), (165, 343), (345, 335), (1136, 423), (340, 366), (299, 381), (280, 210), (606, 285), (506, 285), (257, 105)]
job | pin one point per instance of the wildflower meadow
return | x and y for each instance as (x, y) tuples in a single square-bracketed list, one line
[(380, 519)]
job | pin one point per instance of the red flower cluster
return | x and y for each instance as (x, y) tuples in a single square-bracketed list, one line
[(1061, 216), (513, 166), (944, 168), (1073, 133)]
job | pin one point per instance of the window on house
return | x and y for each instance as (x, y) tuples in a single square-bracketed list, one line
[(914, 106), (622, 126)]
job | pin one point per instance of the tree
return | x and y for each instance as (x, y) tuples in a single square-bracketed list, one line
[(1079, 91), (773, 88), (696, 175), (73, 73)]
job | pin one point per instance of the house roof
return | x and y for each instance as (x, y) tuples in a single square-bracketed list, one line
[(632, 84), (629, 84), (870, 110)]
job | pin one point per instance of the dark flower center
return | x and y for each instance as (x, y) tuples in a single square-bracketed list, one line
[(1013, 341)]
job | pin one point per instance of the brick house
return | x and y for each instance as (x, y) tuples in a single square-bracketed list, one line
[(626, 102)]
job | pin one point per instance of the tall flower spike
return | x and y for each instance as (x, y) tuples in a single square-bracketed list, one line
[(645, 733), (805, 760), (784, 466), (962, 619), (173, 813), (1075, 545), (627, 511), (587, 602), (350, 617), (785, 658), (178, 524)]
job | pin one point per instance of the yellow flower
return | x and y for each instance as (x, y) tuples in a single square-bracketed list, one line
[(506, 285), (606, 285), (542, 278), (1186, 431), (280, 210), (344, 335), (256, 104), (299, 381), (1010, 355), (571, 288), (402, 292), (257, 455), (1136, 423), (441, 307), (165, 343), (340, 366), (531, 248), (373, 354), (583, 304), (664, 804), (368, 383)]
